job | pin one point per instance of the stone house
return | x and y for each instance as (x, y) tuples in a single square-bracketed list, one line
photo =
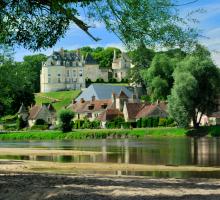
[(44, 111), (134, 111), (120, 66)]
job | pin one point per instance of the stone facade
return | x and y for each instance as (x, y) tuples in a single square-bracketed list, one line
[(69, 70), (120, 66)]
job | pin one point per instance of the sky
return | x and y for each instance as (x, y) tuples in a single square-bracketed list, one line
[(209, 26)]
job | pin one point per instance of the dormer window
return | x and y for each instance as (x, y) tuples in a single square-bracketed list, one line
[(91, 107)]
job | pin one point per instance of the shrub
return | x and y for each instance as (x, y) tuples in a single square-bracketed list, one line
[(20, 123), (112, 80), (214, 131), (40, 122), (65, 118), (162, 122), (78, 123), (39, 127), (155, 121), (139, 123), (144, 122), (110, 125), (126, 125)]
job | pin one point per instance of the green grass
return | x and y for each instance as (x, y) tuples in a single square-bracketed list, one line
[(65, 98), (88, 134)]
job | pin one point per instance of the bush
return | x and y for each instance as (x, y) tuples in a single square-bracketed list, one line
[(139, 123), (155, 121), (162, 122), (40, 122), (78, 124), (39, 127), (65, 118), (110, 125), (20, 123), (214, 131), (99, 80), (126, 125), (112, 80)]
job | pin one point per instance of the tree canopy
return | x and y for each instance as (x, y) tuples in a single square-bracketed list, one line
[(36, 24), (196, 88)]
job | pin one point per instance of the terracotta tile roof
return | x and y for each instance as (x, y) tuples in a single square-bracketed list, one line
[(110, 114), (148, 109), (34, 111), (133, 109), (91, 106)]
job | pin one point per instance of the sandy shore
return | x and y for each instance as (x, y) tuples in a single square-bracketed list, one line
[(85, 187), (44, 152)]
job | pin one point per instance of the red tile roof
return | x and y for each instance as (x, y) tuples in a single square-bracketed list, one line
[(133, 109), (34, 111), (110, 114), (96, 105), (148, 109)]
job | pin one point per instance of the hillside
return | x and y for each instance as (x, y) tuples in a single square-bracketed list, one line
[(58, 99)]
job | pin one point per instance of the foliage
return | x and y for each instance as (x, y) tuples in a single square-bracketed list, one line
[(196, 86), (21, 123), (158, 77), (40, 24), (115, 123), (65, 118), (101, 133), (141, 59), (214, 131), (39, 127), (16, 87), (35, 63), (40, 122)]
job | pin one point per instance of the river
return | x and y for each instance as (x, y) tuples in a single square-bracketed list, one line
[(168, 151)]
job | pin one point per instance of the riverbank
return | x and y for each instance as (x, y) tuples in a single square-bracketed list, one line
[(93, 133), (101, 187)]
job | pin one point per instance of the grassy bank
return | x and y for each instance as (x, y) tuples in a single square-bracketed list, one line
[(58, 99), (101, 133)]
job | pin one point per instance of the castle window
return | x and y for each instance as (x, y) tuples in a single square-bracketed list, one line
[(91, 107), (104, 106), (58, 74), (49, 74)]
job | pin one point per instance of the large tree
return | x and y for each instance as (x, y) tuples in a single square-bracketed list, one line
[(37, 24), (35, 62), (196, 88)]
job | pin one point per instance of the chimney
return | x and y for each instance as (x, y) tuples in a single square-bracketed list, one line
[(93, 98), (114, 100), (82, 100)]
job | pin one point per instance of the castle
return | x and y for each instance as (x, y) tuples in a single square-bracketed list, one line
[(69, 70)]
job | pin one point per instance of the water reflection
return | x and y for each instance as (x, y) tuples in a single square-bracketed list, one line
[(151, 151)]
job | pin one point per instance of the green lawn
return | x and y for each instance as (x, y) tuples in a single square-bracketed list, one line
[(65, 98), (91, 133)]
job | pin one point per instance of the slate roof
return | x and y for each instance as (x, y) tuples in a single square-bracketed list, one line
[(22, 109), (103, 91)]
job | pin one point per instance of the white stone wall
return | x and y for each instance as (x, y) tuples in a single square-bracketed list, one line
[(93, 72)]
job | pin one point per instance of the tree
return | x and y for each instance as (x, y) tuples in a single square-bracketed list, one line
[(196, 88), (35, 62), (141, 59), (15, 87), (158, 77), (65, 117), (36, 24)]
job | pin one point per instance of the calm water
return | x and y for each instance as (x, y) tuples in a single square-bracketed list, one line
[(151, 151)]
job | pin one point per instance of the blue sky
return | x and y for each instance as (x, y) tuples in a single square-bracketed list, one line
[(209, 26)]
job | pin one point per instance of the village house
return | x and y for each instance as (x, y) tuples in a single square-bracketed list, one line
[(45, 112)]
